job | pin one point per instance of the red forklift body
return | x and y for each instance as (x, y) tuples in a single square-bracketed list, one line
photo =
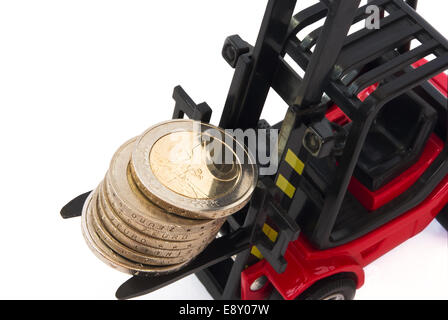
[(307, 265)]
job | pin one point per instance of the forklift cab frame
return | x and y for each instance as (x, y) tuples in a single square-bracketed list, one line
[(341, 66)]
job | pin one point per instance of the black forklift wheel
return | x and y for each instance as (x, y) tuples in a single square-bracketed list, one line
[(334, 288), (443, 218)]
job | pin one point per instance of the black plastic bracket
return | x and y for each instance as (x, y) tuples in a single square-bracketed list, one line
[(234, 47), (186, 106)]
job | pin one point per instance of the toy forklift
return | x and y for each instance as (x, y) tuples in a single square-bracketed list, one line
[(363, 150)]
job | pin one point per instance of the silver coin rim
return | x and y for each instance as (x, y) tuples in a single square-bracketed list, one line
[(125, 266), (179, 223)]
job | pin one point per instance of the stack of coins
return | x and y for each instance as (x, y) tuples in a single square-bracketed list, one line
[(165, 197)]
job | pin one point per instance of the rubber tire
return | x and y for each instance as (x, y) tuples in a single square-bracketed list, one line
[(443, 218), (323, 289)]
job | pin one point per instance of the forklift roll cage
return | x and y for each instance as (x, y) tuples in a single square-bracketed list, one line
[(338, 69), (329, 69)]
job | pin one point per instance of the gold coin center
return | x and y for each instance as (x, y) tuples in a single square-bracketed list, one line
[(192, 166)]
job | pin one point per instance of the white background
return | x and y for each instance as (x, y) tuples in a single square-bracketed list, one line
[(77, 79)]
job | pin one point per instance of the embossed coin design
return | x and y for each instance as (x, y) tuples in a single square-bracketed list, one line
[(130, 203), (172, 165)]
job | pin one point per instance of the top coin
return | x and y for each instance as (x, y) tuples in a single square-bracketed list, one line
[(193, 169)]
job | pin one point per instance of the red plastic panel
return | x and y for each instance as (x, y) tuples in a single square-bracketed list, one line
[(373, 200)]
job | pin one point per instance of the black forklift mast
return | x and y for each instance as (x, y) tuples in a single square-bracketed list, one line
[(332, 67), (332, 60), (257, 67)]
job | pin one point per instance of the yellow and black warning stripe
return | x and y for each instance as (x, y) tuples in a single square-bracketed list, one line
[(298, 166)]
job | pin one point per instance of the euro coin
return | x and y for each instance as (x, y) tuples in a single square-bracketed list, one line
[(140, 237), (128, 201), (194, 170)]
